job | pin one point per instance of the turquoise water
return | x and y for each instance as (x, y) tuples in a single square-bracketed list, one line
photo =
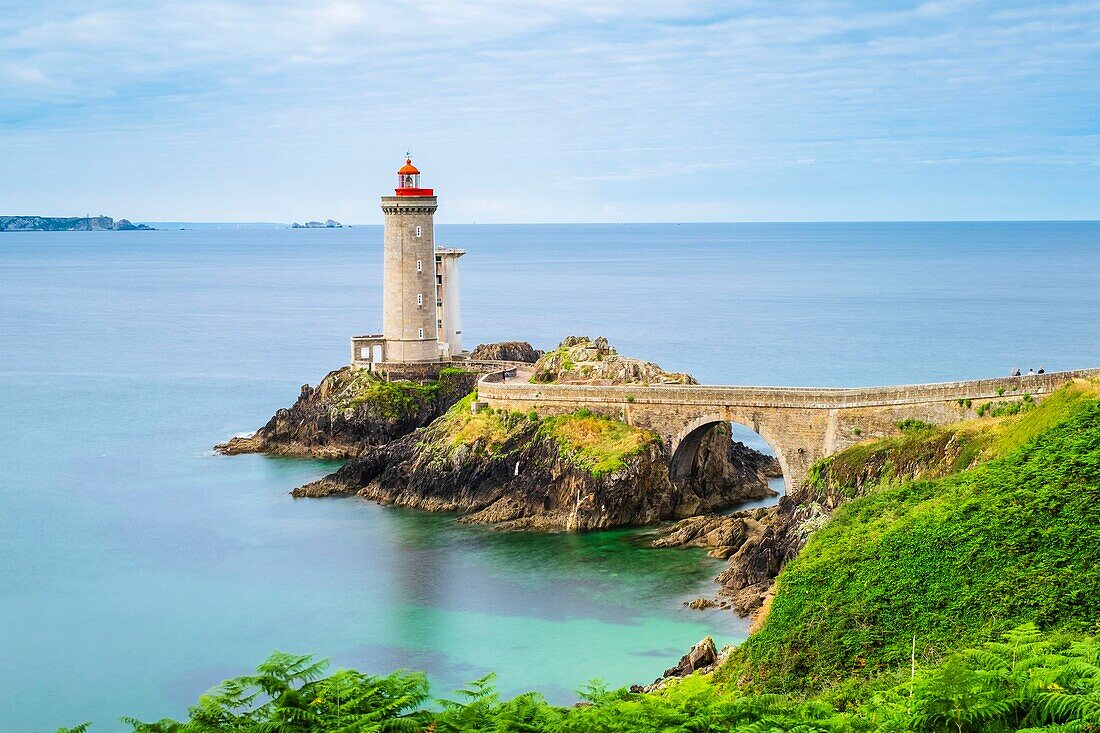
[(138, 569)]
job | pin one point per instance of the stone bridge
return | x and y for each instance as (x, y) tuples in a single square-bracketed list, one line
[(801, 424)]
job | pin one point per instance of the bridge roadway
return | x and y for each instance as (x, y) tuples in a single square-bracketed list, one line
[(801, 424)]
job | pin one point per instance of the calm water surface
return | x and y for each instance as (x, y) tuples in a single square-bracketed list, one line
[(138, 569)]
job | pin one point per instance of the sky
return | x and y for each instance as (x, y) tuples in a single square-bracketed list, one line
[(552, 110)]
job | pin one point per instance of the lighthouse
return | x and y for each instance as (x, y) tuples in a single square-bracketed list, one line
[(420, 305)]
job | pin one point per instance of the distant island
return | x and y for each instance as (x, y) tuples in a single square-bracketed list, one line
[(326, 224), (68, 224)]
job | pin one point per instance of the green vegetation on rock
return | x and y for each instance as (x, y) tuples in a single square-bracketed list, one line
[(597, 443), (594, 443), (393, 399), (486, 430)]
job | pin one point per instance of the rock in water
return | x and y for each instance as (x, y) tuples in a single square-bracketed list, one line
[(702, 656), (417, 445)]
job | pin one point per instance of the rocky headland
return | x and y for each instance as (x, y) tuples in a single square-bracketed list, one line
[(580, 471), (68, 224), (425, 445)]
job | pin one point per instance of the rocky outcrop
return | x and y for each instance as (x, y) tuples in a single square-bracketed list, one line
[(326, 224), (351, 412), (703, 658), (506, 351), (581, 360), (757, 543), (522, 472)]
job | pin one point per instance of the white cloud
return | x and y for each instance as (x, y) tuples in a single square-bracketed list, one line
[(723, 90)]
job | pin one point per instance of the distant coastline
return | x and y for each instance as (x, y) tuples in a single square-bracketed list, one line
[(68, 224)]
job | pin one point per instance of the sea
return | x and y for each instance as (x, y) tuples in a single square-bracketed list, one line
[(138, 568)]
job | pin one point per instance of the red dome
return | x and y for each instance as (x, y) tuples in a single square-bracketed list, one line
[(408, 169)]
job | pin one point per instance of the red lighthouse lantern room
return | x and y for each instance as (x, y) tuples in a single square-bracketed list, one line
[(408, 181)]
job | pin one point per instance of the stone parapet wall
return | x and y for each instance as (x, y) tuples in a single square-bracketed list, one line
[(802, 424), (777, 397), (419, 371)]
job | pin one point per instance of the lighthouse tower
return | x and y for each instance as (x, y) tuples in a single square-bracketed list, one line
[(409, 322), (420, 304)]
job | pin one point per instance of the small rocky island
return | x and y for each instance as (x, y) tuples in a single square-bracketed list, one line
[(326, 224), (68, 224)]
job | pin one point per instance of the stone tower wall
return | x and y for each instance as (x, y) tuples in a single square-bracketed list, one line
[(403, 315), (451, 313)]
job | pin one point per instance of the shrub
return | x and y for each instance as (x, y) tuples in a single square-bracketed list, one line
[(912, 424), (1026, 680)]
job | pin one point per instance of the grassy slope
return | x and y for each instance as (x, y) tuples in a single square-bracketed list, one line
[(599, 444), (954, 560), (592, 442)]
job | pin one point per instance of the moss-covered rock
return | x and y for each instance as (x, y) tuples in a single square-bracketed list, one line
[(581, 360)]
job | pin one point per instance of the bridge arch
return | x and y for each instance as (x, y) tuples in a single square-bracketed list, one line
[(685, 445)]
